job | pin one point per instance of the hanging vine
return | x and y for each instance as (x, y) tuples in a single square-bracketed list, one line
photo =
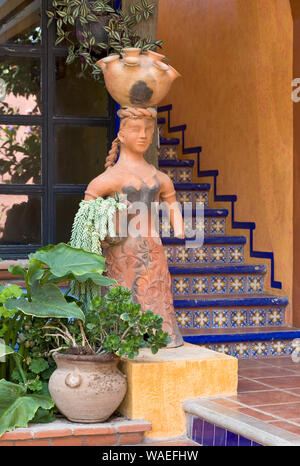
[(79, 23)]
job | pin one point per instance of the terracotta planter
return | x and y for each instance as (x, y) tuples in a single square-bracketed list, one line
[(137, 79), (87, 388)]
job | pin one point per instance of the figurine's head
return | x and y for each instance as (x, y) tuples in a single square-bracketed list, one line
[(136, 132), (136, 128)]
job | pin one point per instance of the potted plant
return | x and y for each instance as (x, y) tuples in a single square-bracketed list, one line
[(88, 339), (92, 28)]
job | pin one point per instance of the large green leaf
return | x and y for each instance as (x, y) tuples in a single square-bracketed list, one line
[(17, 407), (46, 301), (68, 263)]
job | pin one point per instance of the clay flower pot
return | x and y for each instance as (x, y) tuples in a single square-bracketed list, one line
[(137, 79), (87, 388)]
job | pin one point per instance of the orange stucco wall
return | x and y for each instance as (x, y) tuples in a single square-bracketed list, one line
[(236, 59), (295, 4)]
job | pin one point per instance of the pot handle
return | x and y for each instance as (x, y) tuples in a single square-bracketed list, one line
[(73, 380)]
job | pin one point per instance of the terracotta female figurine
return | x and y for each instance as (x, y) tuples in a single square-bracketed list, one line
[(138, 261)]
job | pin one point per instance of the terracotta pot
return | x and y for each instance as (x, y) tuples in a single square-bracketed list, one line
[(137, 79), (87, 388)]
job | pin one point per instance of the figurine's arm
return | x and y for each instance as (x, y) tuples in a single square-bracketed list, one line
[(168, 196), (99, 187)]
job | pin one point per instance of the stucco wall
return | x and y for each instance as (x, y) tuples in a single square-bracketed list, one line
[(296, 67), (236, 59)]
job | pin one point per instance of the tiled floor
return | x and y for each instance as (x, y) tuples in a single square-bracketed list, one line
[(268, 390)]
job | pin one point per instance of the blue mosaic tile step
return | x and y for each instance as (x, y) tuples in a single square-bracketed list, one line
[(257, 348), (225, 269), (266, 299), (193, 197), (199, 283), (211, 435), (233, 336), (176, 163), (244, 319), (179, 174), (168, 151), (207, 212), (169, 141), (192, 186), (208, 240), (206, 225), (210, 423), (206, 254), (161, 120)]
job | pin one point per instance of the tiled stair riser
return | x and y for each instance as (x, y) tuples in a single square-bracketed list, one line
[(208, 226), (216, 284), (247, 317), (254, 349), (210, 254), (179, 174), (208, 434)]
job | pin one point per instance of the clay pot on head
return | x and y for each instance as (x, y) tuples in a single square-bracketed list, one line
[(137, 79), (87, 388)]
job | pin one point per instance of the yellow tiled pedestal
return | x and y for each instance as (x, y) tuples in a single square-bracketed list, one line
[(159, 384)]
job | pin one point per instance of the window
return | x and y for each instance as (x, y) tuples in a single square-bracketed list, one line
[(56, 127)]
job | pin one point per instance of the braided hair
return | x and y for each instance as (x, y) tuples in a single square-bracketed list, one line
[(124, 114)]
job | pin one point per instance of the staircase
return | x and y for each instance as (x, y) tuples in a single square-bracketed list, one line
[(219, 300)]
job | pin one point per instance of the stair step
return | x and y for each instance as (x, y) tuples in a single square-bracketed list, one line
[(265, 299), (161, 120), (208, 240), (168, 141), (176, 163), (179, 174), (210, 280), (238, 335), (211, 251), (212, 269), (207, 212), (192, 186), (222, 421)]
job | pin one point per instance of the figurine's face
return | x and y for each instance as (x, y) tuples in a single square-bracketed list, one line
[(136, 134)]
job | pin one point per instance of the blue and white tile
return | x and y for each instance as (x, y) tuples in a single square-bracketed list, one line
[(171, 172), (168, 152), (238, 318), (235, 254), (237, 285), (275, 316), (201, 255), (218, 255), (181, 286), (183, 255), (223, 348), (201, 196), (184, 175), (200, 285), (218, 284), (257, 318), (201, 319), (255, 284), (260, 348), (278, 348), (241, 350), (201, 225), (169, 254), (217, 226), (220, 319), (184, 196), (184, 319)]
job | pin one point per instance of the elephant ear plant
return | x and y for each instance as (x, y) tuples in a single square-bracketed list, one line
[(56, 321)]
